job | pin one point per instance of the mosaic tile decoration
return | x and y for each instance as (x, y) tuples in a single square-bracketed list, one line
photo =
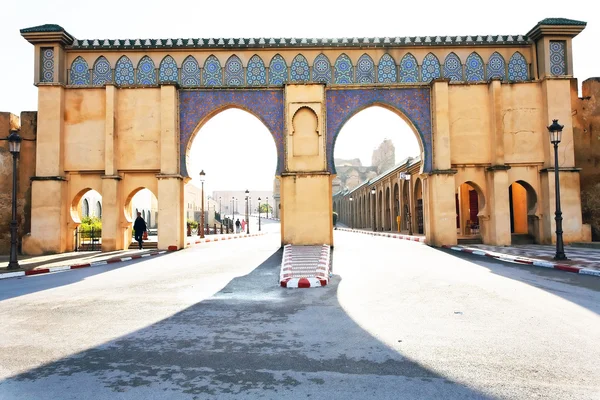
[(558, 57), (47, 63), (496, 66), (101, 74), (256, 73), (167, 71), (277, 71), (299, 71), (321, 71), (80, 72), (234, 71), (474, 68), (517, 68), (386, 70), (124, 73), (365, 69), (409, 69), (196, 106), (212, 72), (146, 73), (414, 103), (431, 68), (453, 68), (190, 72), (343, 70)]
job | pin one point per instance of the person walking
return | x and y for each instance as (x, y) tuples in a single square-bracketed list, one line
[(237, 225), (139, 227), (243, 225)]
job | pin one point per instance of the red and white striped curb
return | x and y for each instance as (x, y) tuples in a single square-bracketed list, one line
[(305, 269), (524, 260), (384, 234), (234, 236), (76, 266)]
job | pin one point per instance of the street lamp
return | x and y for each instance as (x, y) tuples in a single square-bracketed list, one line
[(351, 214), (373, 191), (406, 176), (220, 211), (259, 214), (555, 136), (267, 200), (202, 175), (247, 211), (14, 146)]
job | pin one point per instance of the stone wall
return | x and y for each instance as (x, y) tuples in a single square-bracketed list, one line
[(586, 135), (384, 156), (26, 166)]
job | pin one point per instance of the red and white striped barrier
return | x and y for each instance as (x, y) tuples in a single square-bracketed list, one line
[(524, 260), (76, 266), (305, 266), (420, 239), (223, 238)]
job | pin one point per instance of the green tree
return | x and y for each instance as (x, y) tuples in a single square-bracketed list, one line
[(264, 207)]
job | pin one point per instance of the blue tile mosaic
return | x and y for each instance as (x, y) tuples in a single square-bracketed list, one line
[(474, 68), (321, 69), (190, 72), (414, 103), (365, 69), (409, 69), (212, 73), (453, 68), (146, 72), (167, 71), (278, 73), (124, 73), (558, 57), (234, 71), (343, 70), (47, 63), (386, 70), (431, 68), (197, 106), (517, 68), (80, 72), (299, 71), (256, 73), (496, 66), (101, 73)]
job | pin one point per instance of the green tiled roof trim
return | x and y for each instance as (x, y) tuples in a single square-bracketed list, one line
[(44, 28), (561, 21)]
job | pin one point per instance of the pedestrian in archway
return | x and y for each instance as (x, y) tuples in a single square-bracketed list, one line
[(243, 225), (238, 224), (139, 228)]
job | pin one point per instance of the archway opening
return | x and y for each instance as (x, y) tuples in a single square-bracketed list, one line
[(86, 220), (469, 202), (523, 207), (372, 148), (237, 153), (142, 202), (419, 211)]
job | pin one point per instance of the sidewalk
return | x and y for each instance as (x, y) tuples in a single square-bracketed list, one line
[(393, 235)]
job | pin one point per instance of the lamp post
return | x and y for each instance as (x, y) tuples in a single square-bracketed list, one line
[(267, 200), (259, 214), (220, 211), (14, 146), (202, 175), (406, 176), (555, 131), (373, 192), (247, 211), (351, 214)]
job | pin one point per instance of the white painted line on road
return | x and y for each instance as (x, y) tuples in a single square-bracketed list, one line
[(587, 271), (12, 274)]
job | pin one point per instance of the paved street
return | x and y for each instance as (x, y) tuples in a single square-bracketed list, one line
[(398, 320)]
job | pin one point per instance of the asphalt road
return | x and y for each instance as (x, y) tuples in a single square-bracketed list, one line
[(398, 320)]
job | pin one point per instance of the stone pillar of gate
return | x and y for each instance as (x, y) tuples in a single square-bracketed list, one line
[(440, 223), (49, 202), (306, 196)]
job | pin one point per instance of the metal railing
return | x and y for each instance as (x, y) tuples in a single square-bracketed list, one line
[(87, 239)]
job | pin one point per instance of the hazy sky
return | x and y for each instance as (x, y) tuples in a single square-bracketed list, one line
[(234, 148)]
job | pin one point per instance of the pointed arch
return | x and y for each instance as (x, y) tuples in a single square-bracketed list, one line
[(430, 69), (101, 73), (409, 69), (278, 73), (343, 70), (496, 66), (234, 71), (453, 68), (299, 71), (190, 72), (386, 69), (124, 73), (365, 69), (517, 68), (167, 70), (146, 72), (321, 71), (256, 73), (474, 68), (80, 72)]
